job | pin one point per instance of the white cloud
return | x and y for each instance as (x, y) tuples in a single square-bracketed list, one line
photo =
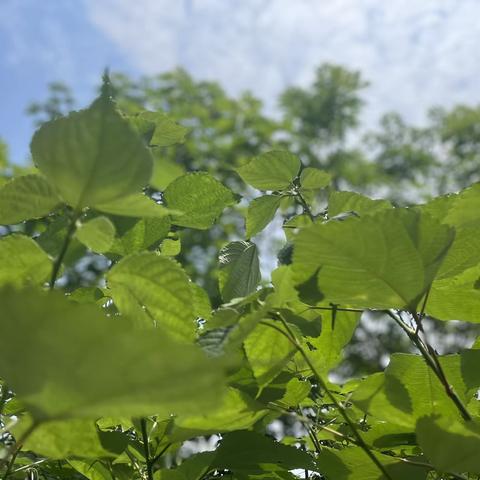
[(49, 48), (415, 53)]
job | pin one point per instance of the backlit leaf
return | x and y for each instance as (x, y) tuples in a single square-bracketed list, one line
[(451, 445), (340, 202), (273, 170), (387, 260), (268, 352), (156, 286), (26, 197), (314, 179), (76, 362), (260, 213), (199, 198), (138, 205), (92, 156), (239, 272), (22, 261), (97, 234)]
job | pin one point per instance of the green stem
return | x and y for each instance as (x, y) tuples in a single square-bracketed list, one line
[(68, 238), (304, 204), (11, 463), (361, 443), (149, 464), (18, 446), (338, 309), (432, 360), (3, 398), (156, 458)]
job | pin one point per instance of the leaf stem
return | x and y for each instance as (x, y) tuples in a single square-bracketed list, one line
[(148, 462), (63, 251), (431, 359), (338, 309), (341, 408), (304, 204), (16, 449), (156, 458), (11, 463), (3, 397)]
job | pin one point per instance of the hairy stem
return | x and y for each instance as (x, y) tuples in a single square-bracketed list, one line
[(156, 458), (149, 464), (3, 398), (66, 243), (14, 451), (341, 408), (304, 204), (431, 359), (338, 309)]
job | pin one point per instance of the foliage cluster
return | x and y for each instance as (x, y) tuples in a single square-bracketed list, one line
[(114, 377)]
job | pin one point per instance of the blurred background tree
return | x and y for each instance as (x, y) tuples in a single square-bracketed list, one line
[(322, 124)]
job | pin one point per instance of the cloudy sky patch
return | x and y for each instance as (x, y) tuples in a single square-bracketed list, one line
[(414, 53)]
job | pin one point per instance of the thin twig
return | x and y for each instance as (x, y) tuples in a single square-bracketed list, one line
[(156, 458), (3, 398), (17, 447), (68, 238), (304, 204), (291, 336), (338, 309), (143, 424), (432, 360)]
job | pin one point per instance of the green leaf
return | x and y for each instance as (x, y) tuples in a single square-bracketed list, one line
[(244, 451), (201, 302), (455, 293), (451, 445), (337, 331), (314, 179), (260, 213), (352, 463), (296, 391), (235, 411), (74, 438), (273, 170), (292, 226), (386, 260), (171, 247), (164, 170), (456, 298), (383, 435), (157, 288), (138, 235), (163, 130), (268, 352), (92, 156), (459, 210), (463, 254), (91, 469), (52, 240), (399, 395), (137, 205), (199, 198), (193, 468), (97, 234), (22, 261), (284, 288), (239, 272), (87, 295), (76, 362), (341, 202), (469, 368), (26, 197)]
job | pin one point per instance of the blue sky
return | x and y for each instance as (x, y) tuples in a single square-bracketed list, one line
[(416, 53)]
